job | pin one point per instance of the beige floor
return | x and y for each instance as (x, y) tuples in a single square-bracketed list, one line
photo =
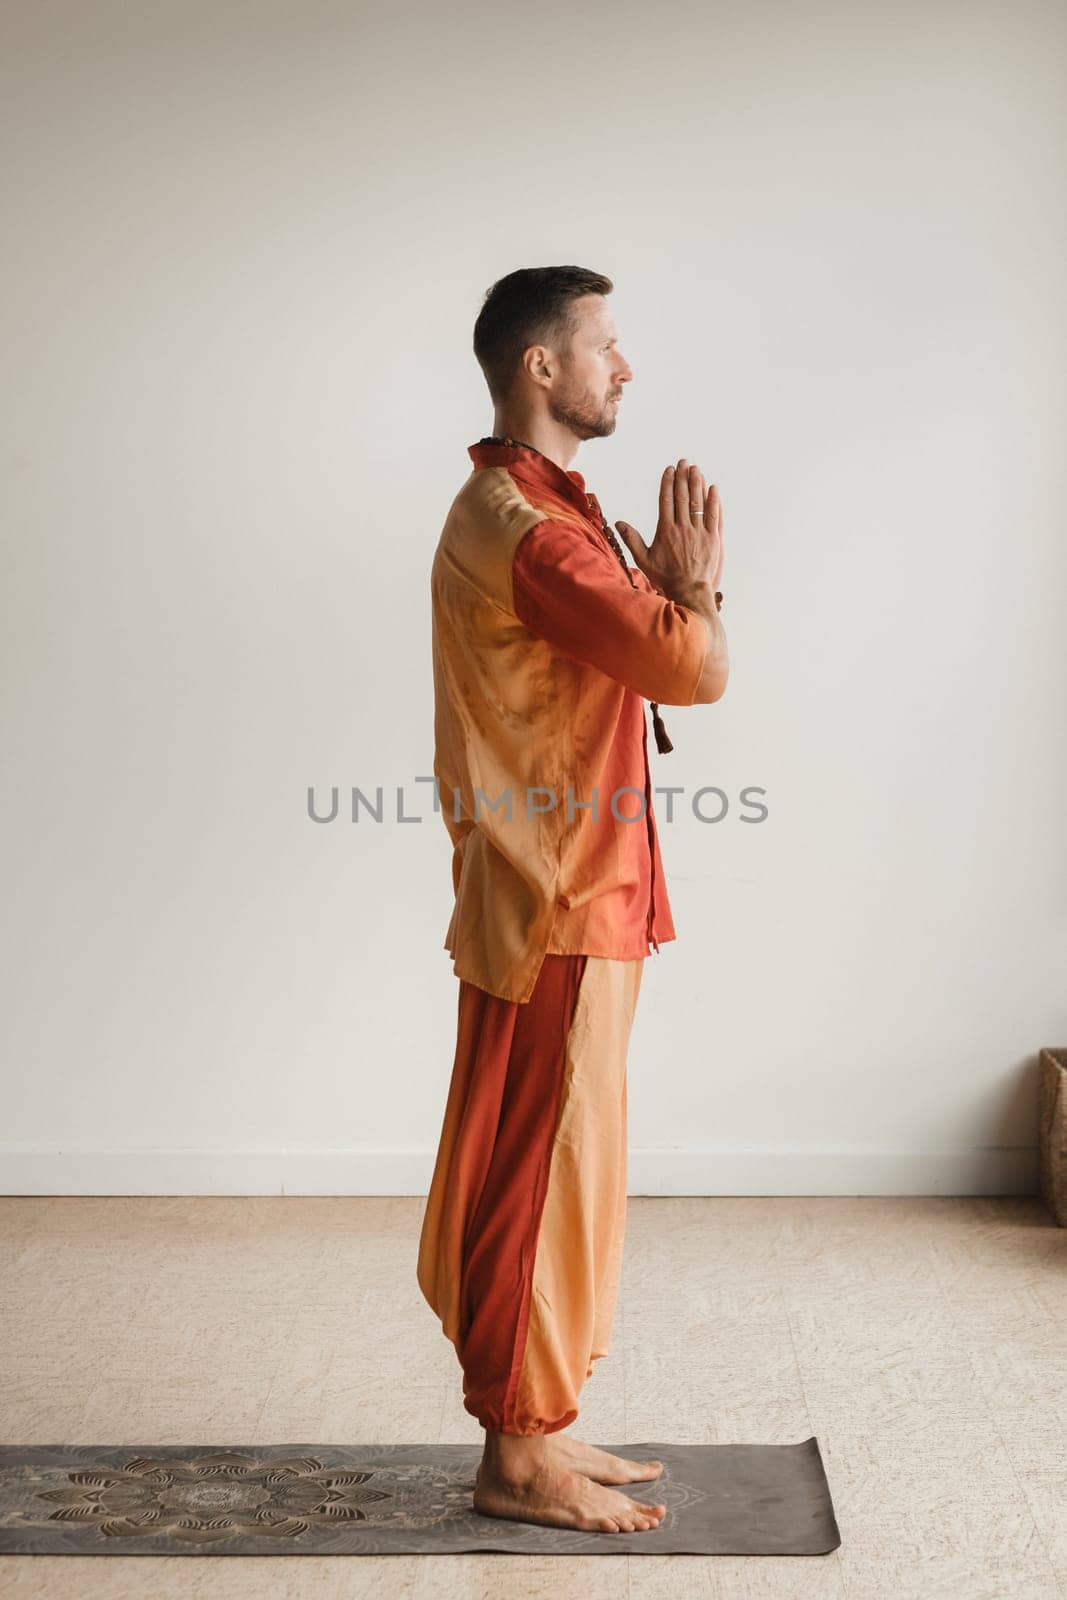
[(924, 1342)]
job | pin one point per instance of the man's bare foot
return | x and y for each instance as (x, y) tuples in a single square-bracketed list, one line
[(600, 1465), (520, 1478)]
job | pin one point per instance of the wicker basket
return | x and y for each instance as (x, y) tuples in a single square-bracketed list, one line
[(1053, 1138)]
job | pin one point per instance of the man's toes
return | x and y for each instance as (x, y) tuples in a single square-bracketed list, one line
[(640, 1512)]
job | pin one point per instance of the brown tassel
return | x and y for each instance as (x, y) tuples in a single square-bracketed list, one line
[(663, 743)]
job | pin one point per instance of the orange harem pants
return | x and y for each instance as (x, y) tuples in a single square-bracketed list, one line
[(521, 1243)]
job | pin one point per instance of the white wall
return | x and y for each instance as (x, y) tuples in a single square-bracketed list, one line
[(246, 246)]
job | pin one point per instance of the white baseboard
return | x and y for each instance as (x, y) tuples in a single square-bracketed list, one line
[(68, 1170)]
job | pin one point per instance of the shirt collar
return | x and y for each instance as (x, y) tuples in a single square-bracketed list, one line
[(524, 462)]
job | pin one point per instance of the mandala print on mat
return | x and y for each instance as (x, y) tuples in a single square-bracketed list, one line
[(215, 1497)]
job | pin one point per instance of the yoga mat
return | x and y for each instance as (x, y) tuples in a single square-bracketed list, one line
[(378, 1499)]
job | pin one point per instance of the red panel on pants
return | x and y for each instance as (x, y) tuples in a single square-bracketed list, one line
[(490, 1182)]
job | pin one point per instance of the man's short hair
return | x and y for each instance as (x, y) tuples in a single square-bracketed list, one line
[(530, 306)]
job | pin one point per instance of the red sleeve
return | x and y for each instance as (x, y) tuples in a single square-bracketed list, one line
[(571, 591)]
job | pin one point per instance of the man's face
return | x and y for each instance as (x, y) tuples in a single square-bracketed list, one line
[(587, 390)]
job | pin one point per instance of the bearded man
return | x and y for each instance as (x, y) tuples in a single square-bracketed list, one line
[(546, 644)]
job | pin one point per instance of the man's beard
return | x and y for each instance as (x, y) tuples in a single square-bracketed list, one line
[(583, 414)]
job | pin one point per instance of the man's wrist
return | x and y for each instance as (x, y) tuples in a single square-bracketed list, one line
[(698, 596)]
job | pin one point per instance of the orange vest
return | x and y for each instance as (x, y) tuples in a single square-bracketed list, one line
[(544, 650)]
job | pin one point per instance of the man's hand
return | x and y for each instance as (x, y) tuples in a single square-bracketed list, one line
[(685, 562), (688, 546)]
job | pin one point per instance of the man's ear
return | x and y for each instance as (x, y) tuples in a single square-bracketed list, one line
[(539, 364)]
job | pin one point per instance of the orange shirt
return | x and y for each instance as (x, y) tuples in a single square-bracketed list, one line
[(544, 650)]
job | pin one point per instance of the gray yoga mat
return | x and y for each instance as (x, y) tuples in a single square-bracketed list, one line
[(388, 1499)]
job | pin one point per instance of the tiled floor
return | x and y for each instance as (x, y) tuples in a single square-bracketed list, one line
[(923, 1341)]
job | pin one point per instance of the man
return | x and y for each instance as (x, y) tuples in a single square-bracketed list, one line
[(545, 644)]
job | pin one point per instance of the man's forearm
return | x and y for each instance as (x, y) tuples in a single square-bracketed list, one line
[(704, 600), (701, 598)]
